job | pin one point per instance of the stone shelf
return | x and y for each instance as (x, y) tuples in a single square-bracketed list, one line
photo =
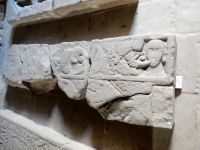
[(56, 9)]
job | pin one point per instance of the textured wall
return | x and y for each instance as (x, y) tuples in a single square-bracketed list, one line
[(75, 119)]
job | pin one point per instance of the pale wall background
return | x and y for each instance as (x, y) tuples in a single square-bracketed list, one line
[(75, 119)]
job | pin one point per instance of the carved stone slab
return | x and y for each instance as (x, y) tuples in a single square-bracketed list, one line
[(19, 133), (135, 68), (70, 64), (28, 63), (129, 79), (57, 9)]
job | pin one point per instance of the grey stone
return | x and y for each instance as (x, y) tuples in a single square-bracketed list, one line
[(188, 61), (70, 64), (135, 68)]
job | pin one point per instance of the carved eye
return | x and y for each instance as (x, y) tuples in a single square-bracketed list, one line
[(81, 59), (74, 60), (79, 52)]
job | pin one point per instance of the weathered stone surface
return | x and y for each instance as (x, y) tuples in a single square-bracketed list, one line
[(187, 16), (54, 9), (187, 64), (28, 63), (185, 131), (37, 8), (155, 109), (130, 78), (19, 133), (29, 14), (44, 86), (154, 17), (132, 62), (14, 10), (70, 64), (162, 103), (126, 67)]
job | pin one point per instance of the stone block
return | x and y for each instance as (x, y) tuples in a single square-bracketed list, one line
[(54, 9), (14, 10), (154, 17), (129, 79), (36, 9), (28, 63), (77, 7), (188, 61), (20, 133), (185, 129), (130, 72), (187, 16), (70, 64)]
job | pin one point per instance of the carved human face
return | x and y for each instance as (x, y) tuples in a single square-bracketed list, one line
[(154, 52)]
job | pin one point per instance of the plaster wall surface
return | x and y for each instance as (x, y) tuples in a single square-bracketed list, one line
[(75, 119)]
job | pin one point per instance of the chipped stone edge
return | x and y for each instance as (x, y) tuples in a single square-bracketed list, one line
[(61, 11)]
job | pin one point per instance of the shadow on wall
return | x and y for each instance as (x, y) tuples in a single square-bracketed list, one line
[(77, 121), (99, 25)]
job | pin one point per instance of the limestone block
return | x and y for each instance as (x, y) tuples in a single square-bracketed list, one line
[(134, 68), (187, 16), (14, 10), (19, 133), (77, 7), (188, 62), (54, 9), (36, 8), (70, 64), (154, 17), (25, 15), (162, 106), (185, 132), (29, 63), (155, 109)]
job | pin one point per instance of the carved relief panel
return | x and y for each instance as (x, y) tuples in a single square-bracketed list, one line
[(70, 64), (129, 79)]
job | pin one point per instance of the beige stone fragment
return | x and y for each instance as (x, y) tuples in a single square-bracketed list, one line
[(55, 9), (187, 16), (29, 63), (127, 61), (70, 64), (155, 109), (185, 132), (14, 10), (188, 61), (162, 103), (125, 77)]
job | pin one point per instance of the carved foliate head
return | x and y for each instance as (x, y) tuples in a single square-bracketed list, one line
[(155, 51)]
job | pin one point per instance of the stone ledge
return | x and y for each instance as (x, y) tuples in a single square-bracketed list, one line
[(57, 9), (19, 132)]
